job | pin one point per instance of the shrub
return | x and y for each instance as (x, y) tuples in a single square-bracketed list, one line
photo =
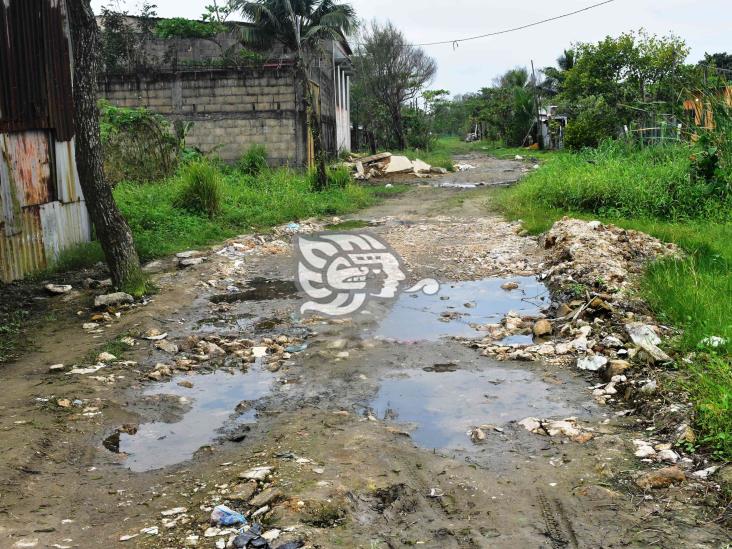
[(595, 123), (254, 161), (139, 145), (202, 191)]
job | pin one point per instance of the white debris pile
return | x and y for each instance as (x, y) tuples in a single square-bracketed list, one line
[(383, 164), (593, 254)]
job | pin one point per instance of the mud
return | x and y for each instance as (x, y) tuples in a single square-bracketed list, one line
[(371, 425)]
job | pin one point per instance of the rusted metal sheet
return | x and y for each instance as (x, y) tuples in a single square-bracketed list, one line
[(23, 252), (67, 177), (63, 226), (28, 166), (35, 64)]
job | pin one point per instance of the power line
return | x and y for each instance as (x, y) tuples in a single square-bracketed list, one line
[(457, 42)]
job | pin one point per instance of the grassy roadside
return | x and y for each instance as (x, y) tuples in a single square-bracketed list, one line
[(649, 190), (247, 203)]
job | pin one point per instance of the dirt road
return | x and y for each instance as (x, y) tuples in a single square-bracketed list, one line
[(384, 429)]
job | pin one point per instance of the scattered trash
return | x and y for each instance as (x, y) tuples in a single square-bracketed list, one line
[(713, 341), (224, 516)]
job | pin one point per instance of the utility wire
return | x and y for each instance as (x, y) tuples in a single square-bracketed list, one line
[(456, 43)]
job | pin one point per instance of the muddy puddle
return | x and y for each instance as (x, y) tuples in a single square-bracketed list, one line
[(442, 403), (259, 289), (205, 408), (457, 308)]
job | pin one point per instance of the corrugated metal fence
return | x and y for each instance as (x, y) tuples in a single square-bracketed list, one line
[(41, 203)]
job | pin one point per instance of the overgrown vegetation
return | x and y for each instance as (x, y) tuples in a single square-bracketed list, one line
[(139, 145), (162, 225)]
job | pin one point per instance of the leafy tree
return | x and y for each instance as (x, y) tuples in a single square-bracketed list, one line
[(180, 27), (393, 72), (300, 26), (721, 61), (124, 46)]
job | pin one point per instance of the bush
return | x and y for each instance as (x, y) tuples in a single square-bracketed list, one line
[(595, 123), (254, 161), (139, 145), (202, 190)]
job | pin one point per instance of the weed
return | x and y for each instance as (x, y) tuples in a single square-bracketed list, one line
[(139, 286), (202, 192), (254, 161)]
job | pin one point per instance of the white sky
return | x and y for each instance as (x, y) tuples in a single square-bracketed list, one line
[(706, 25)]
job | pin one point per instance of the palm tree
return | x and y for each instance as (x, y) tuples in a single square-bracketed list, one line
[(300, 26)]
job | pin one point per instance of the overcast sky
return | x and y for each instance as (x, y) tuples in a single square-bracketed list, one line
[(704, 24)]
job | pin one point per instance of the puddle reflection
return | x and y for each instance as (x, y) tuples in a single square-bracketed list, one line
[(211, 402), (420, 317)]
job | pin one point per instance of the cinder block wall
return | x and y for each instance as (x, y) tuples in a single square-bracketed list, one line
[(230, 109)]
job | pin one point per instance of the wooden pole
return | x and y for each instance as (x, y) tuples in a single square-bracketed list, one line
[(539, 133)]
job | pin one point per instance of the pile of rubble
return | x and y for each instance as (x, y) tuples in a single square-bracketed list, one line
[(383, 164), (232, 516), (194, 352)]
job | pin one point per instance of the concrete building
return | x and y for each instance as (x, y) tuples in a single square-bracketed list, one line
[(42, 209), (235, 105)]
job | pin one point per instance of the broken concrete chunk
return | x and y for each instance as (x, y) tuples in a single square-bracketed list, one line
[(421, 167), (543, 328), (644, 336), (374, 158), (257, 473), (192, 262), (591, 363), (399, 164), (58, 289), (112, 300)]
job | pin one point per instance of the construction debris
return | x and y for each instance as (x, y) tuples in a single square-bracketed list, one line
[(383, 164)]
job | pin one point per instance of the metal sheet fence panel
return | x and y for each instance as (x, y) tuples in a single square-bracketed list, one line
[(67, 178), (63, 226), (23, 252), (35, 64), (28, 161)]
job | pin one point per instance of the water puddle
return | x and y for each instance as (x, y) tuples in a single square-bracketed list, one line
[(260, 289), (207, 407), (443, 402), (452, 311)]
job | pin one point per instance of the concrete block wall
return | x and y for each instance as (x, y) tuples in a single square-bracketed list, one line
[(231, 110)]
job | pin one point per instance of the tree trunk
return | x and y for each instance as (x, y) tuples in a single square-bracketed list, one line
[(315, 126), (399, 130), (111, 228)]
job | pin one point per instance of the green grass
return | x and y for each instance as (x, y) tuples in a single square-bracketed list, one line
[(247, 204), (649, 190)]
